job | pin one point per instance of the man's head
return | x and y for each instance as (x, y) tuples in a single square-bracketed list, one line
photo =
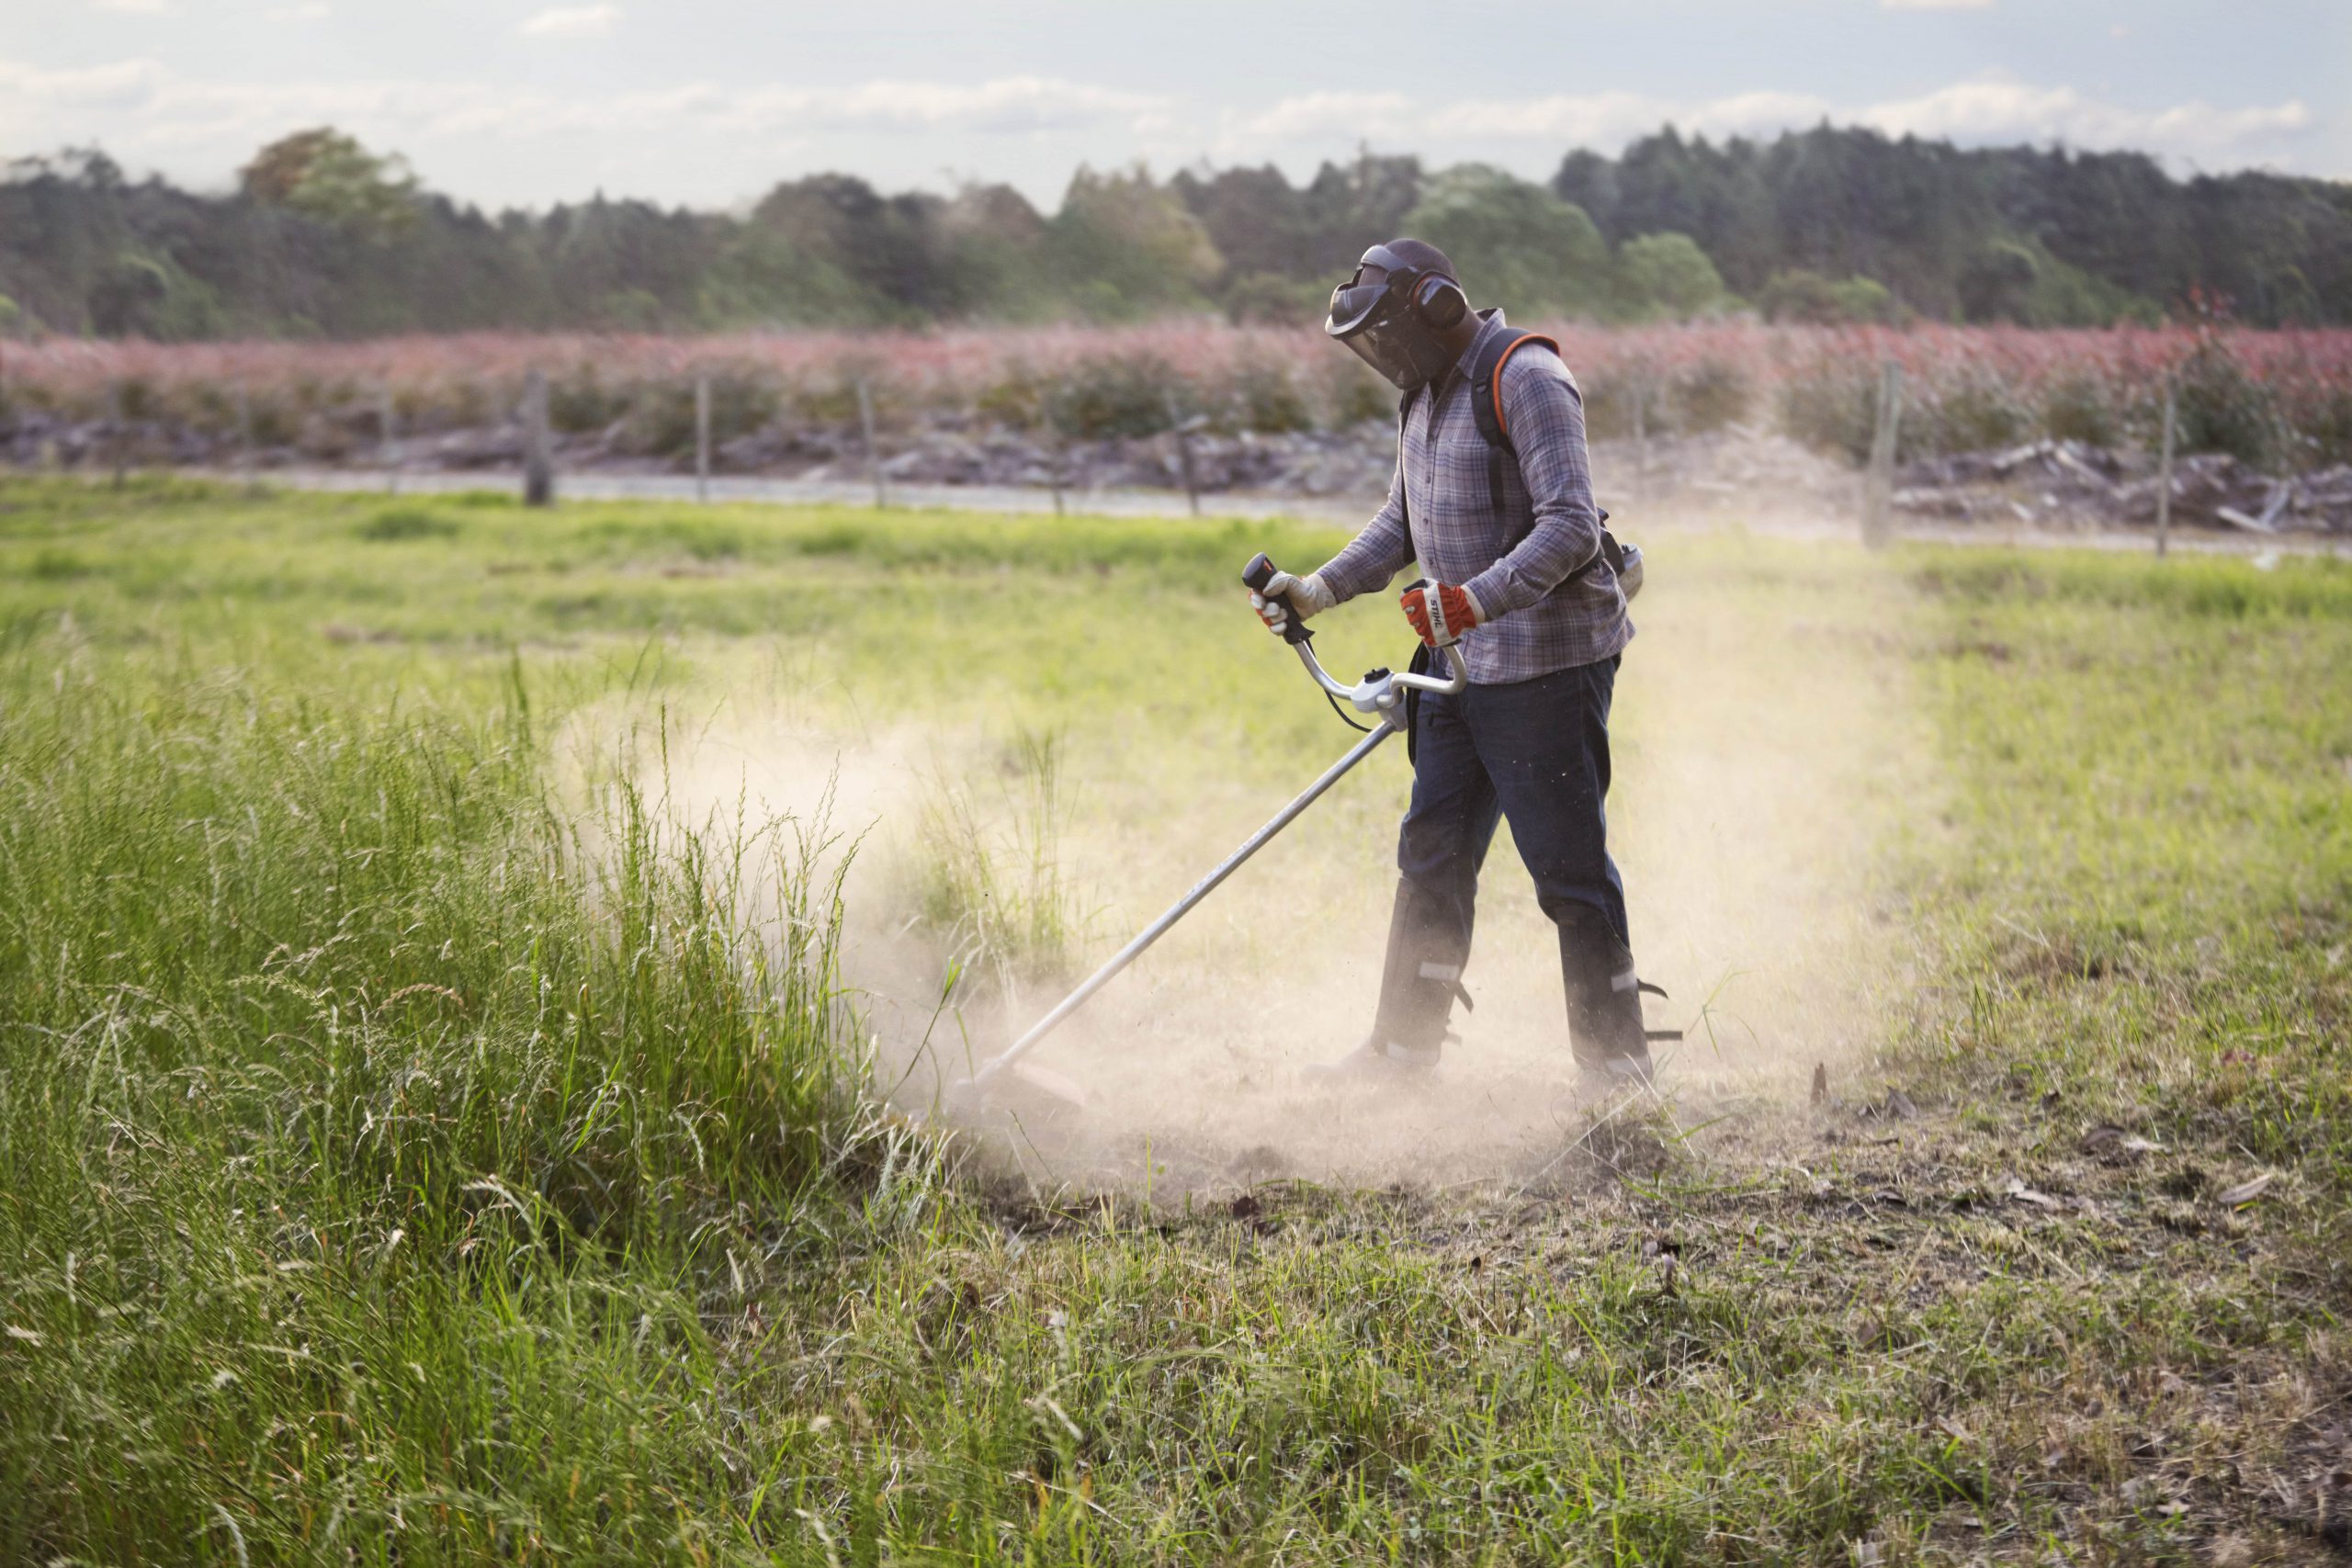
[(1403, 312)]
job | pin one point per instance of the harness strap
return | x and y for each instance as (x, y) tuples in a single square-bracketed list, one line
[(1487, 404), (1490, 379), (1487, 411), (1404, 482)]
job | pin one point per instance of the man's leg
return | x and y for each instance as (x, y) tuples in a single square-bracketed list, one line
[(1544, 743), (1440, 847)]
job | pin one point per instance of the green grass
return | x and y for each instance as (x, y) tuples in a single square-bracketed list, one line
[(424, 1144), (999, 898)]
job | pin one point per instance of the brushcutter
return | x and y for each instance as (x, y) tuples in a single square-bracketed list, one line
[(1380, 695)]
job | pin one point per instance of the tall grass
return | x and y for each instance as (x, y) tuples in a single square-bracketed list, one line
[(405, 1160), (989, 876), (381, 1157)]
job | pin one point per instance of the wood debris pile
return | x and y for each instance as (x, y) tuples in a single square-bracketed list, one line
[(1740, 468), (2072, 481)]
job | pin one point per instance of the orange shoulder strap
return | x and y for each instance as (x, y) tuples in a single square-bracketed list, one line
[(1501, 423)]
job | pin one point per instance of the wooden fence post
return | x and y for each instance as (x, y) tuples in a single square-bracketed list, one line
[(390, 434), (1183, 428), (1057, 449), (538, 455), (1640, 438), (702, 436), (1878, 492), (873, 451), (2163, 466), (245, 465), (117, 449)]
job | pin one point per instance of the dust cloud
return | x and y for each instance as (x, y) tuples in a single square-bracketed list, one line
[(1762, 747)]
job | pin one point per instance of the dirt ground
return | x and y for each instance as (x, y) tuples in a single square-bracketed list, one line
[(1762, 742)]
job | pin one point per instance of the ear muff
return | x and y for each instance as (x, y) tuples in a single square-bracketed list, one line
[(1440, 301)]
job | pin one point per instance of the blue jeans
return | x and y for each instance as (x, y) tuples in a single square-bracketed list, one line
[(1536, 752)]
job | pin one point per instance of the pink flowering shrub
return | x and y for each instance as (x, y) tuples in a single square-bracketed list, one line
[(2278, 397)]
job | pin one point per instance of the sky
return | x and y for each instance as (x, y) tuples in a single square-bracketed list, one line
[(709, 103)]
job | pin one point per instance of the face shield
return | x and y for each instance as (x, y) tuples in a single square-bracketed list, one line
[(1373, 313)]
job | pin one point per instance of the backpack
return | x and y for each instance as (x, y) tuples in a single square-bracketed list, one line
[(1486, 408)]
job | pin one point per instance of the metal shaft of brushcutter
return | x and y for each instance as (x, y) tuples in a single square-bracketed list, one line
[(1381, 693)]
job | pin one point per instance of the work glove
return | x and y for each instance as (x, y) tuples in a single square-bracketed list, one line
[(1284, 593), (1440, 612)]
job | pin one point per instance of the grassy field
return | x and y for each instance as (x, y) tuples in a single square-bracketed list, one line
[(437, 1125)]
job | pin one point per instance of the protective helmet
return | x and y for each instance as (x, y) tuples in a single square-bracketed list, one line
[(1391, 312)]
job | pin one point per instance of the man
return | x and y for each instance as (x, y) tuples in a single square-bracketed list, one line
[(1511, 550)]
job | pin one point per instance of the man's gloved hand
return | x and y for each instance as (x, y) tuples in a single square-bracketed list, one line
[(1440, 612), (1284, 593)]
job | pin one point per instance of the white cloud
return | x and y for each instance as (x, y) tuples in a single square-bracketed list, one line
[(197, 128), (1006, 103), (1008, 106), (1563, 117), (1994, 110), (140, 104), (572, 21), (1936, 4), (1613, 119), (126, 84), (305, 11), (137, 7), (1991, 109), (1329, 114)]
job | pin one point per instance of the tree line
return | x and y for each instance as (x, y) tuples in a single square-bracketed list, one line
[(324, 238)]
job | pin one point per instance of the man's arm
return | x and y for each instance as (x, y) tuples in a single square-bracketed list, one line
[(1375, 554), (1546, 417)]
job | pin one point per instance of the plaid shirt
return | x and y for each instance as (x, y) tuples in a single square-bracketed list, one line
[(1534, 617)]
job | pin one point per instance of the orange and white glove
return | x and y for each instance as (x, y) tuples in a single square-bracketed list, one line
[(1284, 593), (1440, 612)]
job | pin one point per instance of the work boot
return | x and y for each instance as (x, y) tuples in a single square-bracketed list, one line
[(1616, 1076), (1429, 943), (1371, 1063), (1418, 982), (1605, 1028)]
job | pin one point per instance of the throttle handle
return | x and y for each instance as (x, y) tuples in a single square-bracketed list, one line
[(1254, 577)]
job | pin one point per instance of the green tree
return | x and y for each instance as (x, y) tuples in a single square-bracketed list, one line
[(1258, 221), (624, 264), (325, 175), (1126, 247), (328, 237), (1516, 243), (1667, 275), (1351, 208), (1263, 297), (762, 277), (1998, 282), (1797, 295), (994, 243), (2019, 280), (894, 246)]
